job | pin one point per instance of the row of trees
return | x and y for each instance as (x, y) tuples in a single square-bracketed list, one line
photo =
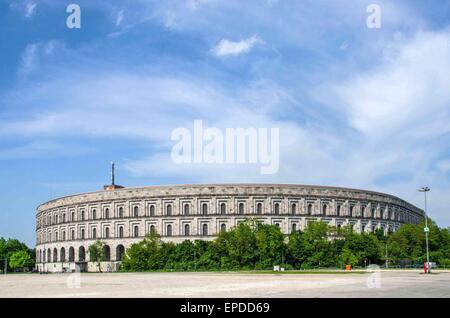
[(17, 255), (260, 246)]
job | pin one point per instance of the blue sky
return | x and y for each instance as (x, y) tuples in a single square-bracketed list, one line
[(356, 107)]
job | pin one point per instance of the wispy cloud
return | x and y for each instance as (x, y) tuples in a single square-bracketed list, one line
[(119, 17), (29, 59), (30, 9), (227, 47), (355, 107), (25, 7), (34, 52)]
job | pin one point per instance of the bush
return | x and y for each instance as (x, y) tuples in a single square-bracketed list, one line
[(251, 245)]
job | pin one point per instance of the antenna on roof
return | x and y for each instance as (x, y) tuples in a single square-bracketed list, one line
[(112, 172), (113, 185)]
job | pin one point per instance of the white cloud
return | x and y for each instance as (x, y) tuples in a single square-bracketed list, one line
[(226, 47), (30, 9), (444, 166), (25, 7), (29, 59), (399, 109), (34, 52), (386, 139), (195, 4), (410, 85), (170, 20), (43, 148), (119, 17)]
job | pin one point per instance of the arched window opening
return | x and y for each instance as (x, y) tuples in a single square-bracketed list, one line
[(120, 251), (62, 256), (106, 253), (259, 208), (94, 233), (294, 227), (107, 232), (324, 209), (94, 214), (186, 209), (222, 208), (169, 230), (120, 212), (241, 208), (152, 210), (186, 230), (120, 231), (223, 227), (277, 208), (136, 231), (204, 209), (294, 209), (152, 229), (205, 230), (82, 234), (169, 210), (310, 209), (71, 254), (55, 255), (106, 213), (136, 211), (81, 254)]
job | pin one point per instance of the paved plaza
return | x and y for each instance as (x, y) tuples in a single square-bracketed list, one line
[(227, 285)]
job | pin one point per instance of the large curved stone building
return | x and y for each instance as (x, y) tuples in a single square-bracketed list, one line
[(119, 217)]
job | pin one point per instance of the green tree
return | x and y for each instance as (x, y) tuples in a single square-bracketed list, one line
[(241, 246), (8, 247), (145, 255), (21, 260), (348, 257), (251, 245), (296, 249), (318, 249), (168, 256), (270, 246), (97, 253)]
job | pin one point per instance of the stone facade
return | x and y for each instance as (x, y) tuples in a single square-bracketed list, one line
[(119, 217)]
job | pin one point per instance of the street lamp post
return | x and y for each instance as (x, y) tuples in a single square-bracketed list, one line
[(387, 260), (425, 190)]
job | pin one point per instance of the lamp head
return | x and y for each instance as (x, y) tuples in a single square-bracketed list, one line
[(424, 189)]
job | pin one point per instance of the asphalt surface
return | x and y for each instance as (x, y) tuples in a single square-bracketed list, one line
[(227, 285)]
